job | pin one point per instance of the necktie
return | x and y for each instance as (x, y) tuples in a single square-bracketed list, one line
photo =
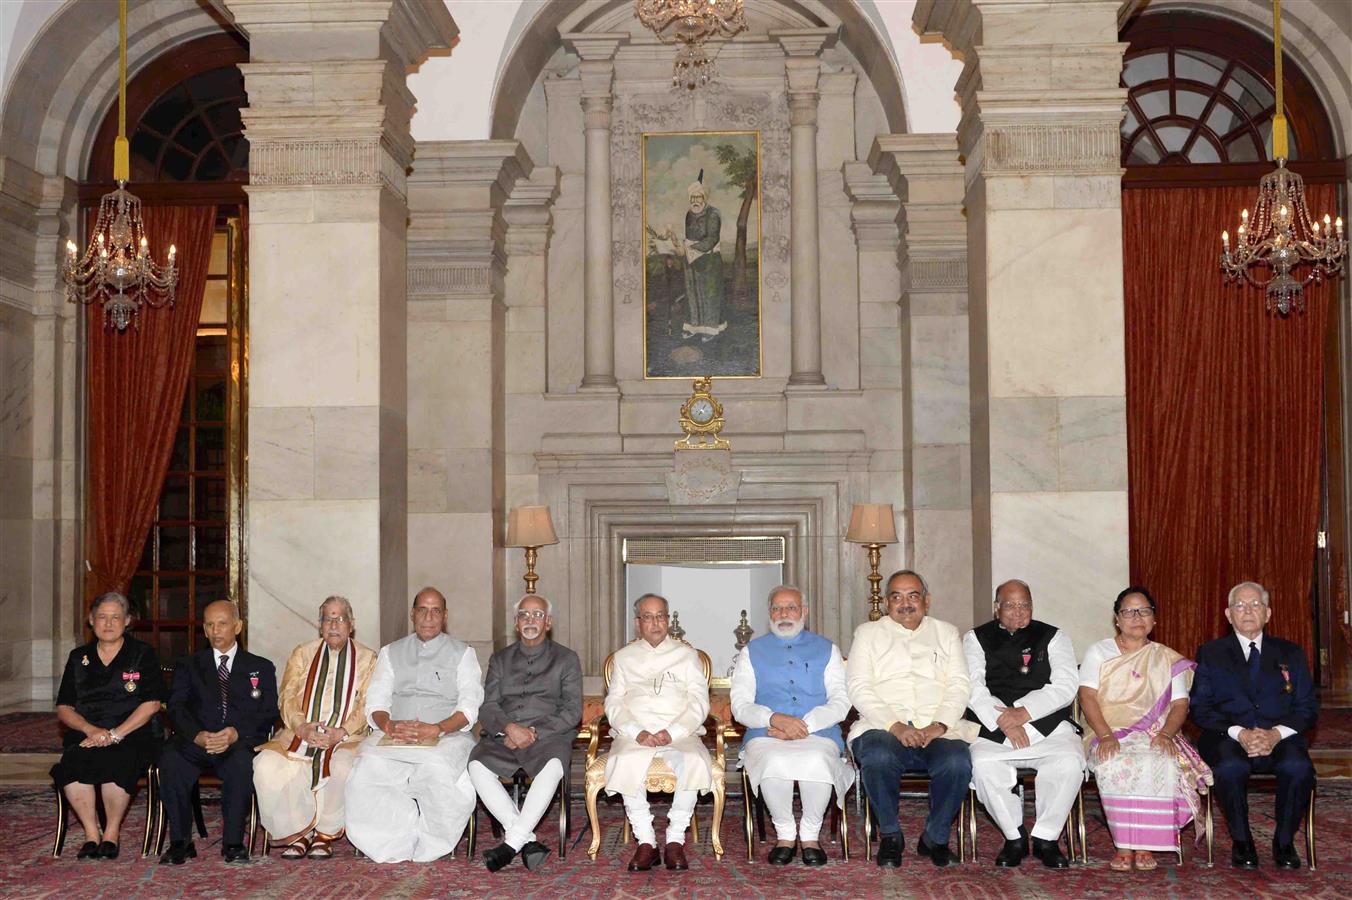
[(223, 676), (1254, 659)]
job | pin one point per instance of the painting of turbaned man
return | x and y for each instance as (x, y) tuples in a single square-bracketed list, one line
[(701, 228)]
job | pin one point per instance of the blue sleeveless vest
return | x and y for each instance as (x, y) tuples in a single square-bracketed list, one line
[(790, 678)]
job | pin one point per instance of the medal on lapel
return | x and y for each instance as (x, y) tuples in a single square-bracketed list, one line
[(253, 683), (84, 660), (1287, 686), (129, 680), (1027, 657)]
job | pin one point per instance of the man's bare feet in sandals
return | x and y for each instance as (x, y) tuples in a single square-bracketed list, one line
[(1145, 860), (1121, 862)]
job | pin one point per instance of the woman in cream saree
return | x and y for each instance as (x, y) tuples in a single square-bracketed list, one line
[(1134, 695)]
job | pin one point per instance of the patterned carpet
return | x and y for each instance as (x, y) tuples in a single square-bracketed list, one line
[(27, 869)]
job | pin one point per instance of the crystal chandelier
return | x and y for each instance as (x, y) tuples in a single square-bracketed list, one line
[(691, 22), (1282, 234), (116, 270)]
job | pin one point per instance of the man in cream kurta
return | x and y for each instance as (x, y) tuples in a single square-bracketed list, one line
[(908, 678), (408, 796), (656, 702)]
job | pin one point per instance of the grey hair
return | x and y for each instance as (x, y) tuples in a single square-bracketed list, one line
[(665, 605), (111, 597), (1262, 592), (1004, 584), (347, 606), (924, 586), (785, 589), (549, 607)]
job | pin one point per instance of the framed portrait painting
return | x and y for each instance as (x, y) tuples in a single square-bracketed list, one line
[(701, 239)]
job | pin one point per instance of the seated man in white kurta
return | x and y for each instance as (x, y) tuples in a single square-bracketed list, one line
[(657, 701), (788, 688), (1024, 679), (408, 796)]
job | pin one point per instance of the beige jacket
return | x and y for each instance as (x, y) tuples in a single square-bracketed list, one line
[(898, 675)]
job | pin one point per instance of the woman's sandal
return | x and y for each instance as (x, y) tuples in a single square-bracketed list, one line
[(297, 849), (1145, 861), (1121, 862), (320, 849)]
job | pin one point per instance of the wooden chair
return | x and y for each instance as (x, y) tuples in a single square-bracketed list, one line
[(1073, 830), (520, 783), (752, 802), (921, 778), (147, 783), (661, 778), (1311, 859)]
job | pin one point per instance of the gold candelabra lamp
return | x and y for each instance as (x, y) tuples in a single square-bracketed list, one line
[(872, 525), (530, 528)]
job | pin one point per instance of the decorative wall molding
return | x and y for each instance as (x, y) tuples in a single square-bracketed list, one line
[(1052, 149), (344, 162), (450, 278), (943, 275)]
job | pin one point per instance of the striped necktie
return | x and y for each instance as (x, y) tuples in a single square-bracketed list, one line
[(223, 676)]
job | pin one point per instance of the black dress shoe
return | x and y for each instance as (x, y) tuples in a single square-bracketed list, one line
[(499, 857), (939, 854), (234, 853), (814, 856), (781, 856), (1050, 854), (1243, 855), (1285, 856), (534, 855), (890, 850), (88, 850), (178, 853), (108, 850), (1013, 852)]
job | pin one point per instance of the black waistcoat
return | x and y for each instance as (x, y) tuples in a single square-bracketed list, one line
[(1004, 658)]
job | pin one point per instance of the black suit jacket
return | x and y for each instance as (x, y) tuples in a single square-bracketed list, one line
[(1223, 695), (195, 698)]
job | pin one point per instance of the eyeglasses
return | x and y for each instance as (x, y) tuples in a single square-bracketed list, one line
[(912, 596), (1016, 607), (335, 620), (530, 614), (1142, 612), (785, 610), (429, 612), (653, 617), (1241, 605)]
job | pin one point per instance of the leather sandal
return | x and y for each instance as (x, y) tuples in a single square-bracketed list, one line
[(1121, 862), (297, 849), (1145, 861)]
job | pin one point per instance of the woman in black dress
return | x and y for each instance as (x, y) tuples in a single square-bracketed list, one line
[(110, 691)]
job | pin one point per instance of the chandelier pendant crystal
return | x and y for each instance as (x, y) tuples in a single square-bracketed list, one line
[(690, 23), (1282, 235), (116, 270)]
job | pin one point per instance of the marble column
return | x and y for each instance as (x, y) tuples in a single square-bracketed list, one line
[(1039, 132), (801, 69), (457, 364), (925, 172), (597, 73), (329, 146)]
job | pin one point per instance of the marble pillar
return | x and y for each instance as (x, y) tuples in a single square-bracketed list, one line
[(457, 371), (925, 172), (597, 73), (1039, 132), (802, 66), (329, 146)]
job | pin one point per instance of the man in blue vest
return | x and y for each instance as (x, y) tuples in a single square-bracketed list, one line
[(1024, 679), (788, 689), (1255, 702)]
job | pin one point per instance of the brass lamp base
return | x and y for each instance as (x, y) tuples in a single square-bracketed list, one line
[(875, 598)]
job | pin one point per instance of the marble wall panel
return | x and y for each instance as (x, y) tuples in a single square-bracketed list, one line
[(942, 476), (1023, 449), (1093, 443), (347, 452), (939, 379), (565, 315), (942, 541), (454, 553), (281, 453), (428, 487)]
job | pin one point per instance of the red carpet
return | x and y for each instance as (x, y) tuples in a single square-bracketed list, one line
[(27, 870)]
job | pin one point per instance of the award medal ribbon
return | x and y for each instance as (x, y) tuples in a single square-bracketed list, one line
[(129, 681), (1027, 657), (1287, 686), (253, 683)]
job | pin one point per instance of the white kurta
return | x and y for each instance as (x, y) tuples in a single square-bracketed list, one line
[(414, 802), (814, 758), (654, 689)]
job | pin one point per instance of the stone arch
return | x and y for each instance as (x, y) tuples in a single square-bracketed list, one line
[(533, 40), (57, 99)]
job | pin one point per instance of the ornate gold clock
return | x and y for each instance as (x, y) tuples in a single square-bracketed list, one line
[(702, 420)]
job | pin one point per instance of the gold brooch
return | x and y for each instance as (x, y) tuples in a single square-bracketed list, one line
[(84, 661)]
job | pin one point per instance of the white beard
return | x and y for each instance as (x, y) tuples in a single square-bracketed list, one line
[(530, 632), (788, 630)]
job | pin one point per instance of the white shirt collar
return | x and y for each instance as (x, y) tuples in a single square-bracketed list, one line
[(229, 656), (1244, 643)]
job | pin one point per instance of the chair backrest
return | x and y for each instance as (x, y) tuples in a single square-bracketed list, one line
[(705, 664)]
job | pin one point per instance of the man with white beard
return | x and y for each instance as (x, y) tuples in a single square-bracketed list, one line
[(788, 689)]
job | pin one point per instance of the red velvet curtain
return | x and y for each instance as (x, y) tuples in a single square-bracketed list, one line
[(136, 384), (1224, 429)]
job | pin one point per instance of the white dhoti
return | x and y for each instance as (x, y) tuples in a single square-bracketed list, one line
[(772, 766), (288, 807), (628, 762), (1059, 761), (682, 802), (409, 802)]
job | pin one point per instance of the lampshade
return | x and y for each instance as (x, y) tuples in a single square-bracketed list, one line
[(530, 526), (871, 523)]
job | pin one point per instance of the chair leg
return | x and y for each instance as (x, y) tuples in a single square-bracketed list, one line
[(253, 820), (1080, 829), (473, 827), (844, 828), (563, 818), (694, 825), (868, 828), (593, 788), (1310, 857), (1209, 824), (716, 827), (747, 801), (197, 810), (60, 823), (967, 818), (151, 803), (760, 817)]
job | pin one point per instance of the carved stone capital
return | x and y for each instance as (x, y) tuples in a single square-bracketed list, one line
[(1051, 148), (449, 279), (344, 29), (804, 42), (596, 112), (873, 214), (935, 274), (528, 212), (348, 162), (599, 46)]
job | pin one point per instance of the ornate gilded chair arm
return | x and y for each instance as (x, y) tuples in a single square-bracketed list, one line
[(592, 732), (715, 724)]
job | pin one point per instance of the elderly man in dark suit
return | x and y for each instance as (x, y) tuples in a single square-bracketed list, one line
[(222, 704), (1254, 700), (529, 717)]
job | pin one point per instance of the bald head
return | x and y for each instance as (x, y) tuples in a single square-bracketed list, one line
[(221, 624)]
